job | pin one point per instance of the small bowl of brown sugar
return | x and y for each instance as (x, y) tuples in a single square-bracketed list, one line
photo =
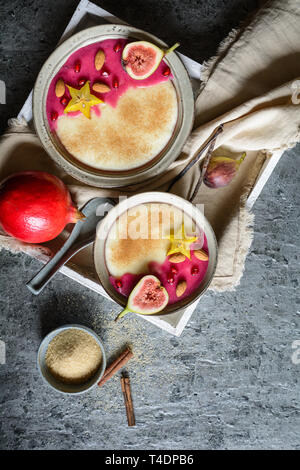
[(71, 359)]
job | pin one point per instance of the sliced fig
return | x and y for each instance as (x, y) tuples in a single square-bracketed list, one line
[(141, 58), (148, 297)]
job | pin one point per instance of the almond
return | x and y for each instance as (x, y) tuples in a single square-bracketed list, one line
[(177, 258), (201, 254), (101, 87), (99, 59), (60, 88), (180, 288)]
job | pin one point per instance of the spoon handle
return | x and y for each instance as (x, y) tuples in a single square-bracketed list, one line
[(41, 279), (97, 206)]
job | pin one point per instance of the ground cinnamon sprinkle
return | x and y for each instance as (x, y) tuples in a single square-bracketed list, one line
[(73, 356)]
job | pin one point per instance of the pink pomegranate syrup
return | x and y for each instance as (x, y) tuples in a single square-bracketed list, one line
[(192, 271), (80, 67)]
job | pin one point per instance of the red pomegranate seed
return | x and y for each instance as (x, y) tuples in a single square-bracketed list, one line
[(115, 83), (174, 270), (194, 270), (117, 47), (167, 72), (119, 284), (81, 82), (170, 279), (54, 115), (77, 67), (63, 101)]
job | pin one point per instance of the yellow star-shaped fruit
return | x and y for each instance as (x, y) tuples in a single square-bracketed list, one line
[(180, 243), (82, 100)]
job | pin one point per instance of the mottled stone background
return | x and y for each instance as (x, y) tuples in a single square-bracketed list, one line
[(229, 381)]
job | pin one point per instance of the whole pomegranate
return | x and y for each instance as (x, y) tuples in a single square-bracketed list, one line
[(35, 206)]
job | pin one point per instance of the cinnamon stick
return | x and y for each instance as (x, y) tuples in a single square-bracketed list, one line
[(116, 365), (125, 384)]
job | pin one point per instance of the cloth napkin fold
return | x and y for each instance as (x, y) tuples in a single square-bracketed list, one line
[(252, 87)]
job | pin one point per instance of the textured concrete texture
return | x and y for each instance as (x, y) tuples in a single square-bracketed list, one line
[(229, 381)]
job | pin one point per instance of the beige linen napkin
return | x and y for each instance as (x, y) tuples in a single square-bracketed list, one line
[(249, 86)]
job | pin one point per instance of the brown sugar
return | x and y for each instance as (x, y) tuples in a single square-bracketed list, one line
[(73, 356)]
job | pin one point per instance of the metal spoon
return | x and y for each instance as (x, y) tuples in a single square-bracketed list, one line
[(82, 235)]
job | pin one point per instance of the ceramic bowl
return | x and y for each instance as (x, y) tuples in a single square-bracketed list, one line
[(79, 170), (49, 379), (145, 198)]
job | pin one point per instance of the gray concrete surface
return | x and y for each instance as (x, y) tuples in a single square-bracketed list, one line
[(229, 381)]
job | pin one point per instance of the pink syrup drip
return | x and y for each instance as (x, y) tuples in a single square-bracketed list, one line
[(86, 57), (162, 271)]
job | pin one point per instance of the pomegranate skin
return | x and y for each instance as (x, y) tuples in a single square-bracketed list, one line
[(35, 206)]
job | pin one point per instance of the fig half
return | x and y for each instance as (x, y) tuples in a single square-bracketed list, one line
[(141, 58), (147, 297)]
